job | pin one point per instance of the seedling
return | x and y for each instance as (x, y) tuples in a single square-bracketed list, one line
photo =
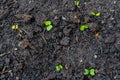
[(76, 3), (15, 27), (86, 72), (98, 14), (95, 14), (59, 67), (90, 72), (84, 27), (48, 25)]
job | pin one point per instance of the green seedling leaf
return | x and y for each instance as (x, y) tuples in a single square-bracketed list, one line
[(49, 27), (98, 14), (47, 23), (84, 27), (76, 3), (92, 72), (59, 67), (86, 72), (15, 27), (93, 13)]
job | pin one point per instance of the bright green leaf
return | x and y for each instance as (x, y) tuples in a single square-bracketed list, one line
[(49, 27), (98, 14), (84, 27), (92, 72), (14, 27), (76, 3), (59, 67), (47, 23), (86, 72), (93, 13)]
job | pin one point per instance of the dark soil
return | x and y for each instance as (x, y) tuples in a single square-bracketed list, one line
[(34, 53)]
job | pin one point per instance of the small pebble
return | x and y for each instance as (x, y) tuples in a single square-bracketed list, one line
[(15, 49), (81, 60), (95, 56), (96, 71), (11, 73), (17, 78)]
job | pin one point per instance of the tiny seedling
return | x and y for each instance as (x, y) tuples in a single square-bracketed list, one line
[(15, 27), (98, 14), (76, 3), (95, 14), (59, 67), (90, 72), (86, 72), (48, 25), (84, 27)]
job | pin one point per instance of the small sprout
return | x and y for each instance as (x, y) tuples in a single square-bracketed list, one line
[(84, 27), (49, 27), (95, 14), (98, 14), (59, 67), (86, 72), (15, 27), (92, 72), (47, 23), (76, 3), (20, 31)]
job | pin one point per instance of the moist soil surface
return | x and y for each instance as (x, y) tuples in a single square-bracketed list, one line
[(32, 53)]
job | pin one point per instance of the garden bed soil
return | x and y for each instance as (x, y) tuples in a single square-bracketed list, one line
[(32, 53)]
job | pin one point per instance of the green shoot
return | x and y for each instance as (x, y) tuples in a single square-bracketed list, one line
[(59, 67), (92, 72), (84, 27), (15, 27), (76, 3), (48, 25), (98, 14), (86, 72), (95, 14)]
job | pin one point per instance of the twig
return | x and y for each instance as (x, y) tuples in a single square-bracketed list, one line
[(2, 54)]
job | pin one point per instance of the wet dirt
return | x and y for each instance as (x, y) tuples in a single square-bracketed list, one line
[(32, 53)]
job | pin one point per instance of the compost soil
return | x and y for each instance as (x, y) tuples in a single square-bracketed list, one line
[(32, 53)]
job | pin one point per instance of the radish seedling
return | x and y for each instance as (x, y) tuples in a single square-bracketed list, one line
[(59, 67), (76, 3), (48, 25), (84, 27)]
